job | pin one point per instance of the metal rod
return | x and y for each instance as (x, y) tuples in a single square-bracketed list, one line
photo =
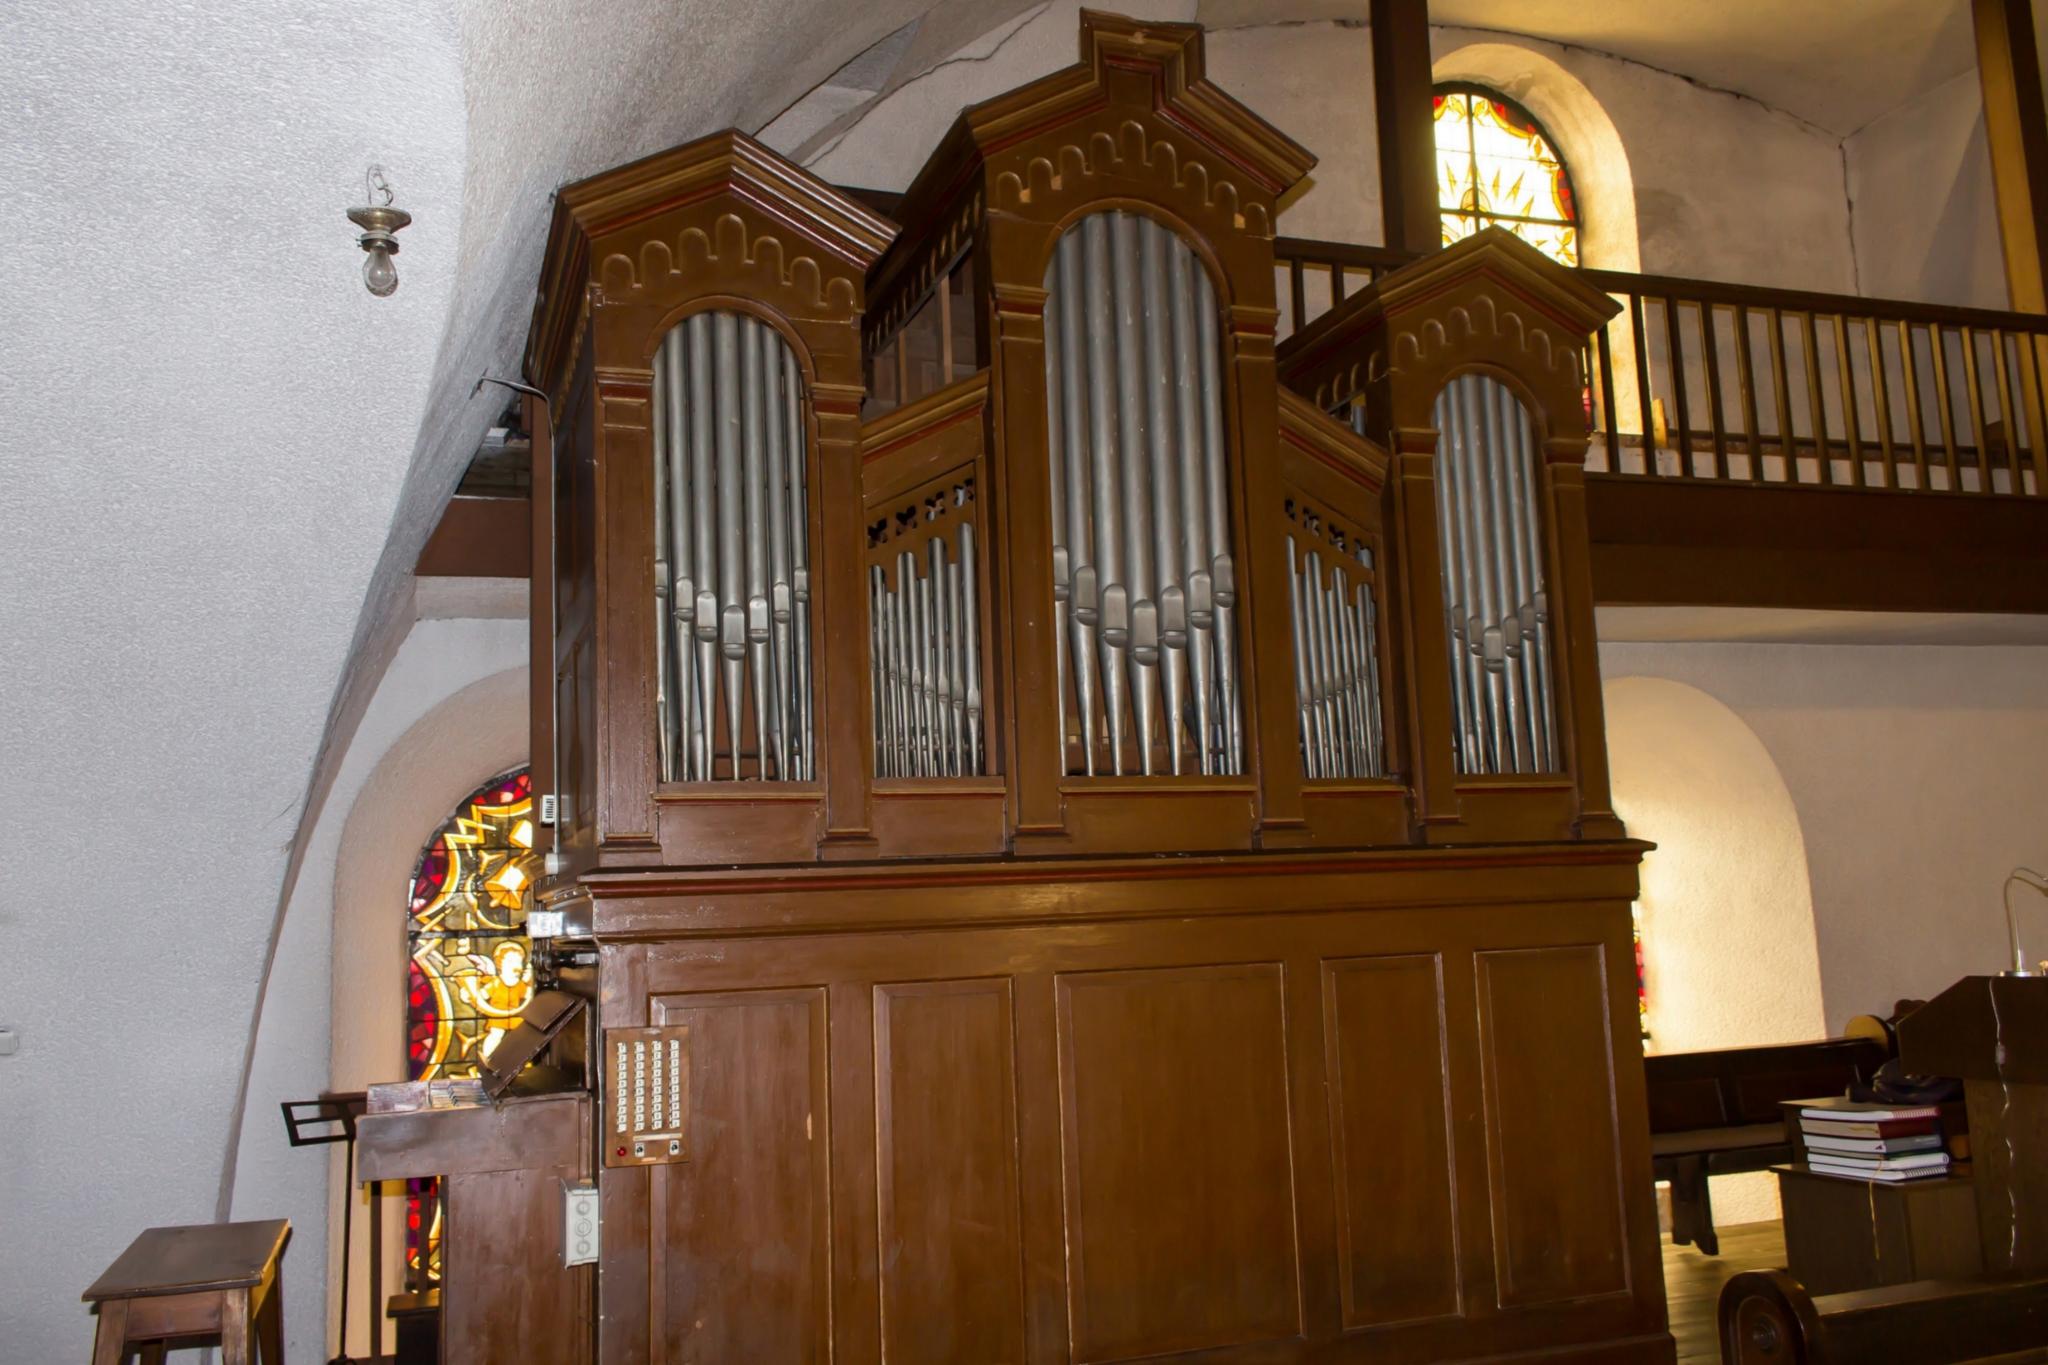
[(799, 561), (1077, 481), (972, 604), (1222, 573), (681, 511), (1057, 407), (664, 615), (781, 595)]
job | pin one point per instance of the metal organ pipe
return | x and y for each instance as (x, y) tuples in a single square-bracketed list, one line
[(731, 552), (925, 654), (1144, 587), (1335, 623), (1494, 600)]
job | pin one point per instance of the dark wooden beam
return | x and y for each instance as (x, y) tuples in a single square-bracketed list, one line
[(480, 538), (1405, 116), (2016, 126), (1694, 543)]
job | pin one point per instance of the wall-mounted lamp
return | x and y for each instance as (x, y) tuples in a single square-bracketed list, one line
[(379, 222), (2022, 876)]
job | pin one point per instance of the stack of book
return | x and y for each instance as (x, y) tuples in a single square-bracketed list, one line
[(1873, 1141)]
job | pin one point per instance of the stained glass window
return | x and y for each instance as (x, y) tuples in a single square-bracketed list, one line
[(470, 968), (1497, 167)]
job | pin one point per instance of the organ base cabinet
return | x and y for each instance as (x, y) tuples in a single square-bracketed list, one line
[(1329, 1107)]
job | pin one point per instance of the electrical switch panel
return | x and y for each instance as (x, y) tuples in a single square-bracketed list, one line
[(647, 1095)]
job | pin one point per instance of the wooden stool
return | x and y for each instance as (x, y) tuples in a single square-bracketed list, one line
[(172, 1285)]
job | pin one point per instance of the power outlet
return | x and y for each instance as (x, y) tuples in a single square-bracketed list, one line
[(580, 1224)]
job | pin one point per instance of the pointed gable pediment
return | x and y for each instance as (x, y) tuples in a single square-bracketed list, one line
[(725, 201), (1491, 299)]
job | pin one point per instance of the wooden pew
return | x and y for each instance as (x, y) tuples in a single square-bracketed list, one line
[(1716, 1113), (1767, 1318)]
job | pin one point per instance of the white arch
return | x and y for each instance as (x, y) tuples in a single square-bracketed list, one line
[(1729, 946), (463, 741)]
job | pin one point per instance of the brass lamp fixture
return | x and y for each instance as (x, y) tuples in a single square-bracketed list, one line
[(380, 223)]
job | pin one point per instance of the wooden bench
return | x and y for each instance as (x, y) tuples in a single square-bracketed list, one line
[(1716, 1113), (178, 1287)]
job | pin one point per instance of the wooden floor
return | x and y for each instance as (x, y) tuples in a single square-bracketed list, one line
[(1692, 1282)]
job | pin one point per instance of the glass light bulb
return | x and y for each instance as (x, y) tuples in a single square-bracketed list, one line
[(379, 273)]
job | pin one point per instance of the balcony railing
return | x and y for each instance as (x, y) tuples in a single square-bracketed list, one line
[(1702, 380)]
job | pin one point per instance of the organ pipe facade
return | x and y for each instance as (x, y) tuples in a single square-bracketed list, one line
[(1144, 584), (732, 578), (1495, 610)]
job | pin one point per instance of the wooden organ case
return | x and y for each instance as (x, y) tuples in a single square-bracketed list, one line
[(1114, 853)]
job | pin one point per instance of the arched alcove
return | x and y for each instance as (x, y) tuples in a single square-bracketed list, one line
[(473, 734), (1727, 906)]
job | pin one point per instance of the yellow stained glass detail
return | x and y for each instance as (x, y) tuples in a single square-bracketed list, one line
[(1495, 168)]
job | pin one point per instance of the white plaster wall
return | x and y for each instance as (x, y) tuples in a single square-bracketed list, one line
[(207, 419), (1925, 216), (1727, 912), (439, 660), (1724, 187), (1920, 777), (889, 142)]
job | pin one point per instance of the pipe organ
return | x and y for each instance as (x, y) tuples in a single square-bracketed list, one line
[(732, 579), (1107, 814)]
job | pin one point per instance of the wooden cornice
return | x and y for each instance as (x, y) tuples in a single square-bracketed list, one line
[(1325, 439), (728, 163)]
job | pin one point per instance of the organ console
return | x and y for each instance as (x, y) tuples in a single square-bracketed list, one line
[(1114, 848)]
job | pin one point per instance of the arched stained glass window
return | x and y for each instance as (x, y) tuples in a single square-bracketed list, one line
[(1497, 167), (469, 969)]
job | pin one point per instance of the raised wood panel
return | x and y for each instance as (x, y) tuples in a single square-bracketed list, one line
[(945, 1122), (1176, 1153), (1397, 1242), (740, 1232), (1553, 1147), (508, 1226)]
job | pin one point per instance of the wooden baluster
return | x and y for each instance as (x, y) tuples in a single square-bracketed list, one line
[(2037, 410), (1816, 401), (1781, 381), (1336, 283), (1745, 376), (1881, 399), (1297, 292), (1909, 366), (1710, 357), (1604, 357), (1937, 336), (2009, 430), (1845, 365), (1972, 382), (1639, 338), (1674, 355)]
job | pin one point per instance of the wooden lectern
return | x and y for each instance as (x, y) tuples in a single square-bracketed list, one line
[(1993, 1032), (506, 1294)]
